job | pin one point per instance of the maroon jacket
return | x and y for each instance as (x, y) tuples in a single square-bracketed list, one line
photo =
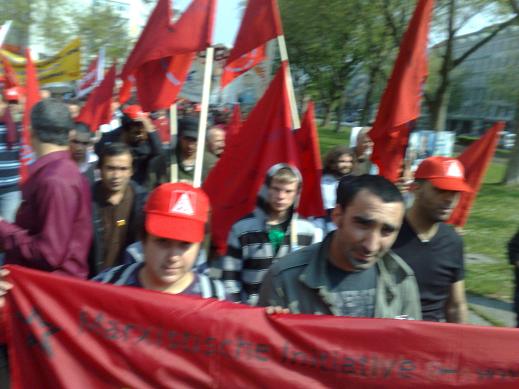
[(53, 228)]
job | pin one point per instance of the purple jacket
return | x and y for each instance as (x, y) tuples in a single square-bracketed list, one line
[(53, 228)]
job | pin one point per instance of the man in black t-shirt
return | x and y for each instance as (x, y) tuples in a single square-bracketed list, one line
[(432, 248)]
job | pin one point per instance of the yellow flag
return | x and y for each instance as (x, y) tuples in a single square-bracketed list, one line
[(62, 67)]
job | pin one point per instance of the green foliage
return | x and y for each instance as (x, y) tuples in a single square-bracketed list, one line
[(100, 26), (493, 220)]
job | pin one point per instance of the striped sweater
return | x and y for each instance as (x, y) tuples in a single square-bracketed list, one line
[(9, 162), (250, 254)]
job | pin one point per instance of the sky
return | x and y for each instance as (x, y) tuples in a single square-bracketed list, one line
[(228, 18)]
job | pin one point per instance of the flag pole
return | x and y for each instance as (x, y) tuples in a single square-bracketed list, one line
[(200, 147), (290, 86), (173, 131)]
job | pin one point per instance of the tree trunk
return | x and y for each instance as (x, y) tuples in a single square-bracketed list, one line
[(438, 112), (512, 168), (327, 117), (366, 106)]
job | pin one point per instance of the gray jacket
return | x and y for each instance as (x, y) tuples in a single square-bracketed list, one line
[(299, 282)]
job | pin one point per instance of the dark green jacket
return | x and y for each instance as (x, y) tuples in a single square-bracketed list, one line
[(299, 282)]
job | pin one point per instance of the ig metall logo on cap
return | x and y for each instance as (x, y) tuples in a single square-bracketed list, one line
[(183, 202)]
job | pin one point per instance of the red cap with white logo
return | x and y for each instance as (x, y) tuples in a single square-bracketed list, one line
[(443, 173), (177, 211)]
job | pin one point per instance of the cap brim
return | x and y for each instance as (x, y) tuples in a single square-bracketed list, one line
[(454, 184), (176, 228)]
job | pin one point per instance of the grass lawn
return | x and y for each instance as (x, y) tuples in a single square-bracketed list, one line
[(492, 222)]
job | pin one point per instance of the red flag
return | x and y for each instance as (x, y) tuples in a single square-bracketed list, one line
[(126, 89), (162, 56), (68, 333), (159, 82), (261, 23), (32, 97), (92, 77), (400, 104), (242, 65), (10, 78), (264, 140), (234, 126), (307, 141), (98, 108), (475, 159)]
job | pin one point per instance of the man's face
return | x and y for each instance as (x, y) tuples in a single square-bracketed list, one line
[(366, 230), (116, 172), (364, 144), (136, 133), (79, 143), (344, 164), (217, 141), (188, 146), (168, 261), (434, 204), (74, 110), (281, 195)]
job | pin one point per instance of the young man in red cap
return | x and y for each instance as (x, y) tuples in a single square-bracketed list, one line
[(175, 219), (432, 248)]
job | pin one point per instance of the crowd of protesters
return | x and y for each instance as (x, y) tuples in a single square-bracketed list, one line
[(98, 203)]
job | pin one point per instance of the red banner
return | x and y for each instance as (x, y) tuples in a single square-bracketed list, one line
[(67, 333)]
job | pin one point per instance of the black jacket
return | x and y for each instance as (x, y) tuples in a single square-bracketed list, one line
[(135, 222)]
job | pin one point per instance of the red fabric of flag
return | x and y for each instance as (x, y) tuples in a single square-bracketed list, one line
[(234, 126), (261, 23), (10, 78), (159, 81), (264, 140), (309, 155), (400, 104), (242, 65), (126, 89), (475, 159), (69, 333), (163, 54), (98, 108), (32, 97)]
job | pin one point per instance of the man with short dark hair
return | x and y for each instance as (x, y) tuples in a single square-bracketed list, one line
[(138, 132), (353, 271), (432, 248), (52, 231), (117, 204), (80, 142)]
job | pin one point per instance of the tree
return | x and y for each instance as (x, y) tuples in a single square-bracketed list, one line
[(451, 16), (100, 26), (20, 12), (323, 45), (52, 22), (512, 168)]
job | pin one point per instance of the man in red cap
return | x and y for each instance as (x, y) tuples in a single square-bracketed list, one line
[(138, 132), (432, 248), (175, 220)]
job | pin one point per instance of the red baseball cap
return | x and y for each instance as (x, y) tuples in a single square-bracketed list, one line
[(177, 211), (443, 173), (134, 112), (12, 94)]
